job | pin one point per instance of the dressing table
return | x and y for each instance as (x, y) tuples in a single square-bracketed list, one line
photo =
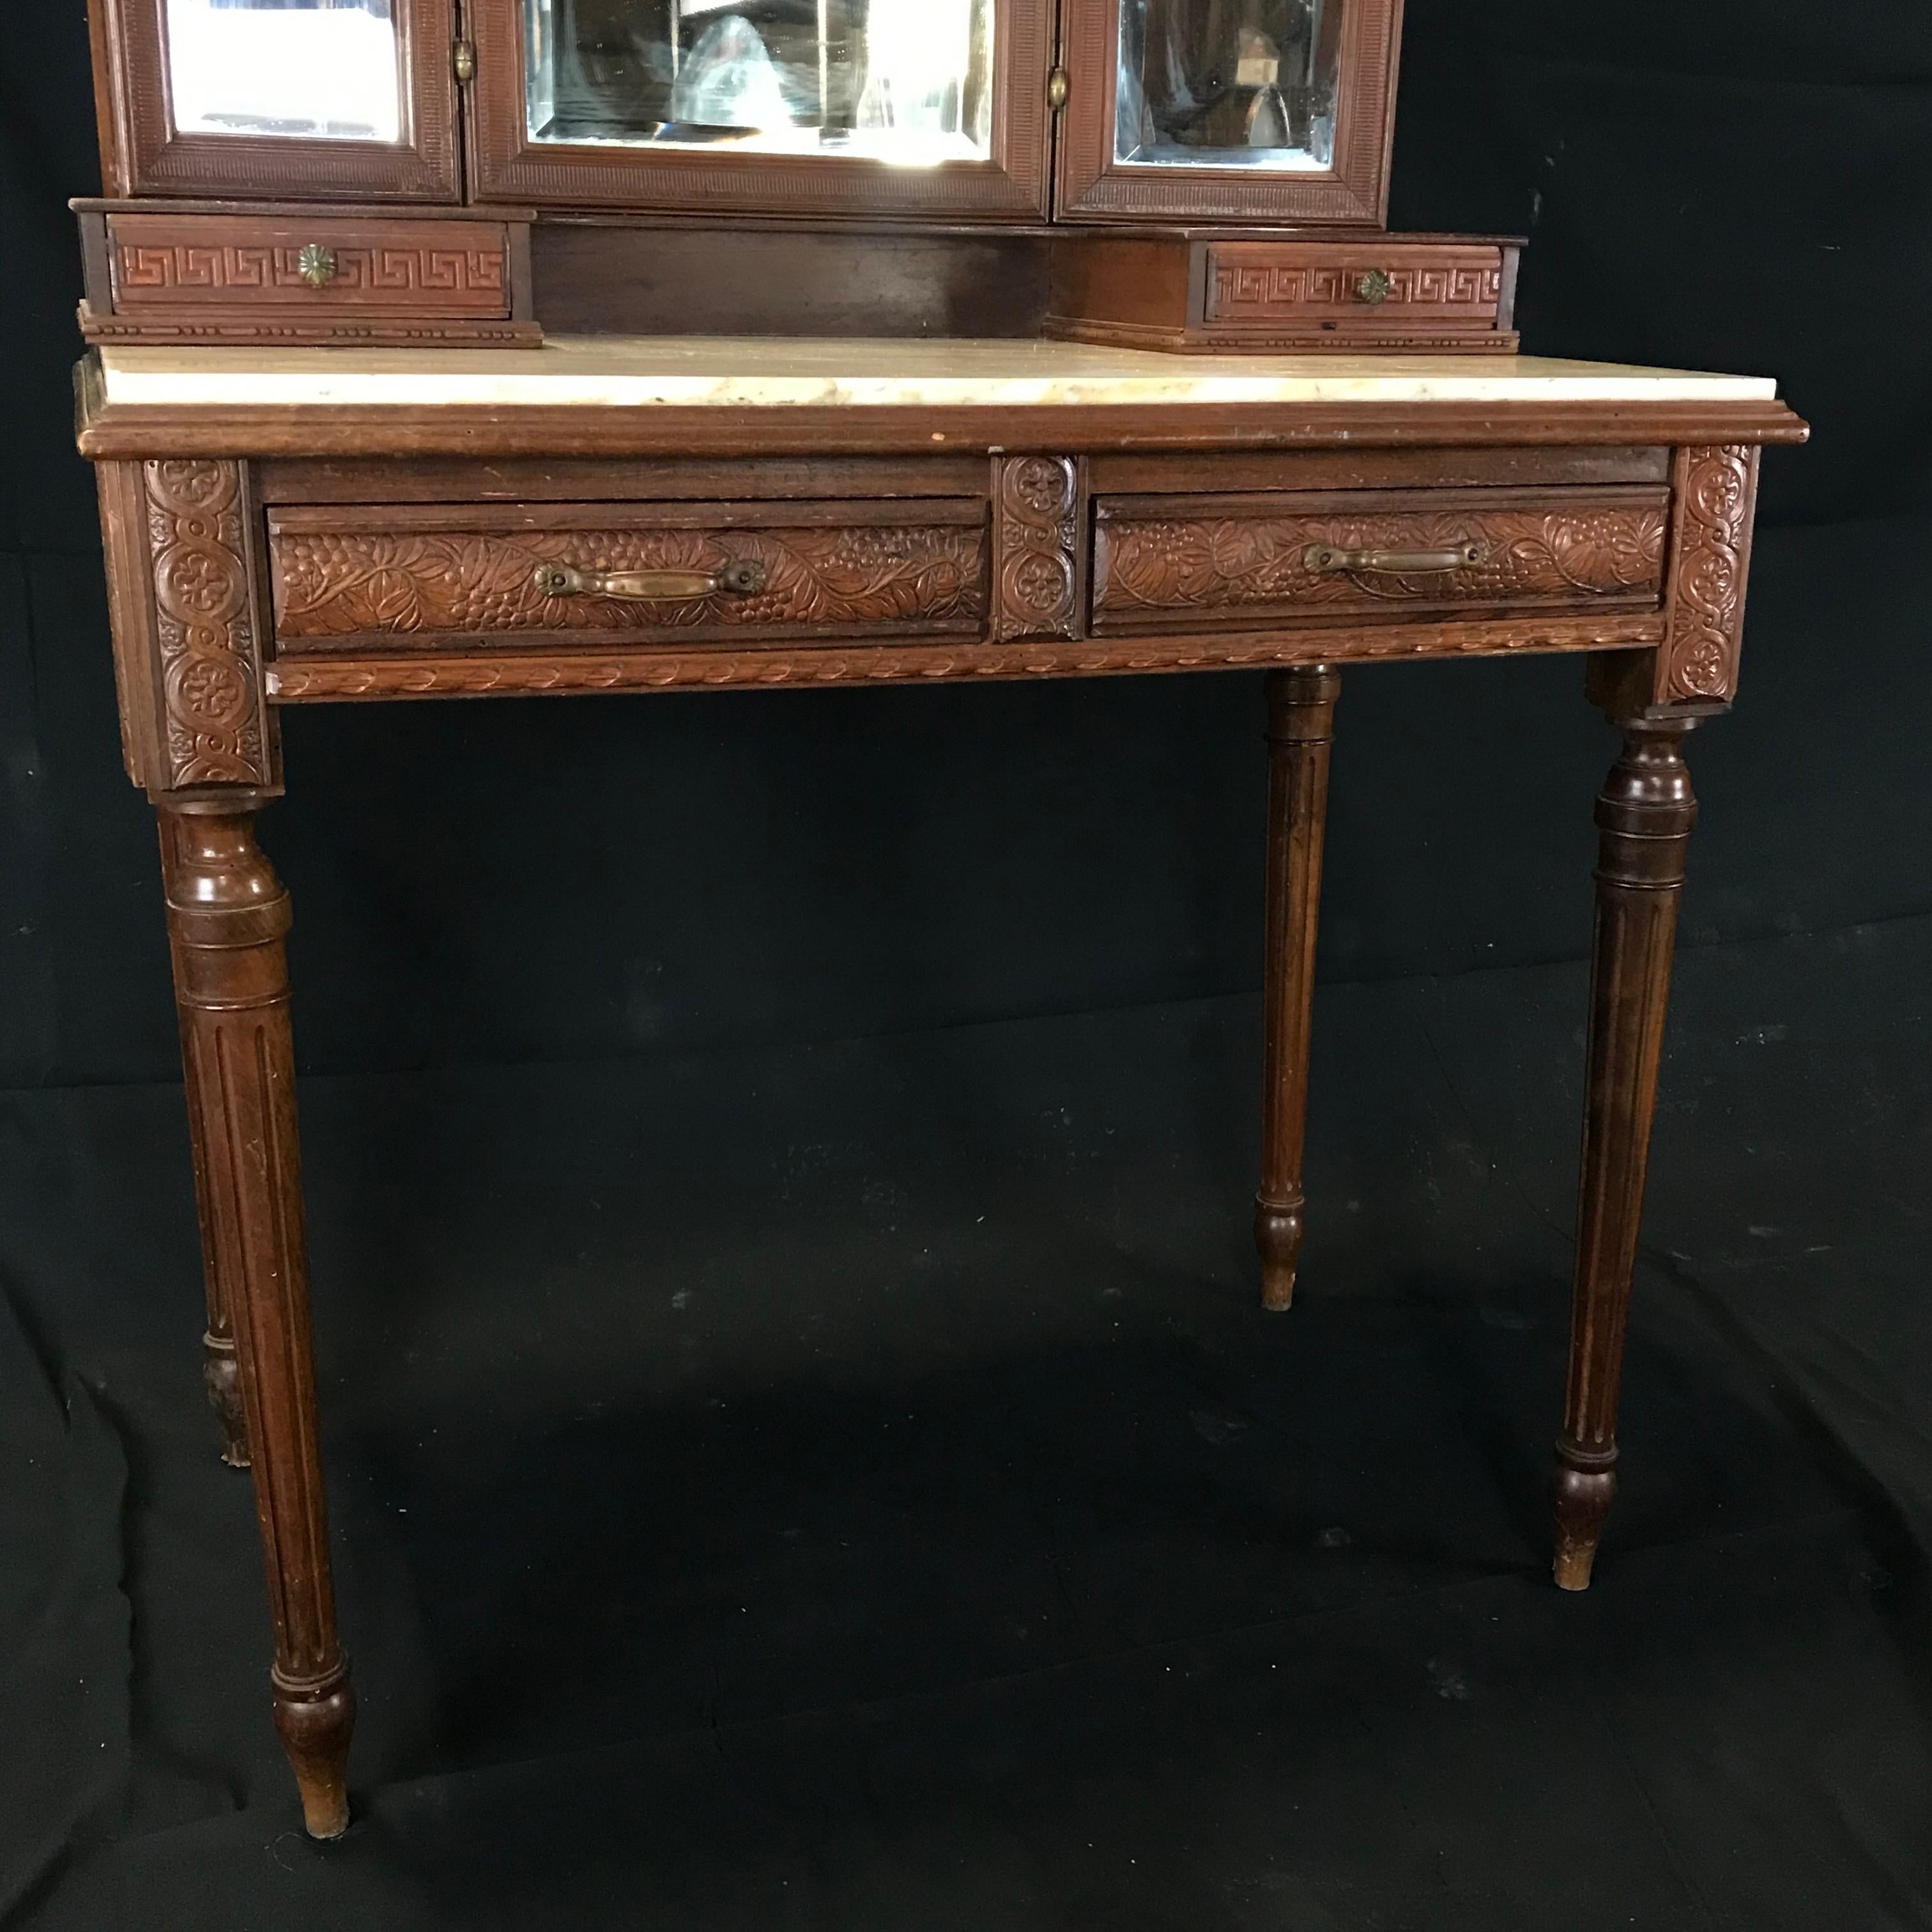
[(540, 346)]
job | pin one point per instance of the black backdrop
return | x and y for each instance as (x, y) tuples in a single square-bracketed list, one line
[(786, 986)]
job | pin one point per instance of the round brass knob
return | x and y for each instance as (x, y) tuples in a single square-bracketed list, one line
[(316, 265), (1374, 288)]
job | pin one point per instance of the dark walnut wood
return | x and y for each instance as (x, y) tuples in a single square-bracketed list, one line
[(610, 274), (1040, 570), (314, 677), (506, 164), (143, 152), (1644, 818), (228, 916), (1092, 186), (1300, 733), (433, 574), (1198, 291), (192, 654), (534, 540), (1200, 559), (396, 554), (295, 275), (1717, 492)]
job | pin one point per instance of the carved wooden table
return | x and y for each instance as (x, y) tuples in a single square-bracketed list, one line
[(294, 527)]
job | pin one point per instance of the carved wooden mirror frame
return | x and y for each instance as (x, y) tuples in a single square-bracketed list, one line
[(1094, 186)]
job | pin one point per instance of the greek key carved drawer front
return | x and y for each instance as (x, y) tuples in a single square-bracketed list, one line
[(1166, 563), (174, 263), (1263, 285), (435, 576)]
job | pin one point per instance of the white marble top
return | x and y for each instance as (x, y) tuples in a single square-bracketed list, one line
[(726, 373)]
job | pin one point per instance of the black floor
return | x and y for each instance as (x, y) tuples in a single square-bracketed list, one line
[(856, 1488)]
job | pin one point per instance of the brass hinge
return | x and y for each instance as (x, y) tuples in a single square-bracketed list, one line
[(1058, 86), (464, 59)]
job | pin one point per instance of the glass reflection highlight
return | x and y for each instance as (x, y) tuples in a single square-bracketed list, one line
[(311, 69)]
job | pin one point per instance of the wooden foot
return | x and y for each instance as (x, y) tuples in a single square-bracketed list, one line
[(1644, 817), (228, 916), (315, 1723), (1301, 730)]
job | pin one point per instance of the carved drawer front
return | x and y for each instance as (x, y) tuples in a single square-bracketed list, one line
[(443, 577), (1370, 288), (301, 265), (1168, 562)]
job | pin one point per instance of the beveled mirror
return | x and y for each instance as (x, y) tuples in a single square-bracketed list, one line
[(310, 98), (1275, 110)]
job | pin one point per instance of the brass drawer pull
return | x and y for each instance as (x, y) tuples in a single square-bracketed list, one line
[(745, 578), (1329, 560), (317, 265)]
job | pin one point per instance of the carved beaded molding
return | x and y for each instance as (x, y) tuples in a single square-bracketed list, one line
[(1037, 547), (295, 680), (213, 703), (1716, 489)]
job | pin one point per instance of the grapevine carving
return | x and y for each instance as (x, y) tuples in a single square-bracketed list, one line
[(211, 681), (1208, 566), (1036, 499), (339, 584), (1715, 491)]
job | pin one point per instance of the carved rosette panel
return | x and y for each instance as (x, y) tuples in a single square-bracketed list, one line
[(1716, 491), (214, 705), (1207, 567), (1036, 544), (333, 584)]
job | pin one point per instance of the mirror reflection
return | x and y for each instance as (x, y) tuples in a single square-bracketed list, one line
[(1229, 83), (323, 70), (909, 82)]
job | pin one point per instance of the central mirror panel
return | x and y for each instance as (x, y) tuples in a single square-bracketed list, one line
[(308, 70), (1229, 83), (909, 82)]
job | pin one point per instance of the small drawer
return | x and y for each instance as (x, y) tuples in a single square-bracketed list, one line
[(1213, 293), (370, 268), (1168, 563), (291, 274), (438, 576), (1370, 288)]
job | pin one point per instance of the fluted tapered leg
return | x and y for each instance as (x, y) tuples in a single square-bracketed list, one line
[(228, 916), (1645, 816), (219, 1371), (1301, 729)]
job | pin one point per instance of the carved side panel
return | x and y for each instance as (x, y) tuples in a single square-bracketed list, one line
[(215, 727), (1037, 572), (1717, 497)]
